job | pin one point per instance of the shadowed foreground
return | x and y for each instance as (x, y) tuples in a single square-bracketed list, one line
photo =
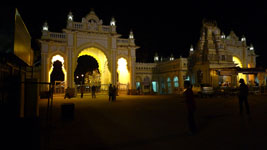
[(153, 122)]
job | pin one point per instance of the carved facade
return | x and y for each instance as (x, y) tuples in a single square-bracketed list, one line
[(88, 37), (216, 57)]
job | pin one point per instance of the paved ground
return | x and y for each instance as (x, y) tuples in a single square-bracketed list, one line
[(154, 122)]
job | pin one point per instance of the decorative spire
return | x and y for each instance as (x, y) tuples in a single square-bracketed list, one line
[(156, 57), (251, 47), (70, 16), (171, 58), (222, 36), (45, 27), (113, 22), (243, 39), (191, 48), (131, 36)]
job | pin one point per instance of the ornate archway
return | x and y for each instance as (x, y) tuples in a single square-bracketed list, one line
[(102, 60)]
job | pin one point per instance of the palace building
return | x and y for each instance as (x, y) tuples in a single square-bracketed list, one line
[(215, 60)]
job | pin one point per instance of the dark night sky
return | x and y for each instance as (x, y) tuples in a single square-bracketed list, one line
[(161, 27)]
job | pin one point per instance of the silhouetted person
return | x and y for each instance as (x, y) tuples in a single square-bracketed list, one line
[(82, 89), (243, 96), (93, 91), (191, 108), (110, 92), (67, 94), (114, 93)]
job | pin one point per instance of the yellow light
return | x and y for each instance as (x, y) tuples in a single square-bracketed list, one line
[(123, 71), (61, 59), (102, 63), (238, 63)]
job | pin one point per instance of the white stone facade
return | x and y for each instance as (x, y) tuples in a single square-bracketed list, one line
[(99, 40)]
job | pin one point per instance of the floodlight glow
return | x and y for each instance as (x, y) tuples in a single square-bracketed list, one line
[(123, 71), (102, 63), (45, 28), (238, 63), (61, 59), (70, 18)]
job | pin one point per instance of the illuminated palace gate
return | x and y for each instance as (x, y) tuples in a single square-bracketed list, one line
[(115, 56)]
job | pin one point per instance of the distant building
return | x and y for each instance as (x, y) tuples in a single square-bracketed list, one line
[(218, 59)]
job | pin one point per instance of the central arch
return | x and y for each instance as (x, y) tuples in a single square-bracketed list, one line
[(102, 61)]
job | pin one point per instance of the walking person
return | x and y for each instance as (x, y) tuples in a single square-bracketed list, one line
[(243, 97), (110, 92), (82, 89), (114, 93), (191, 108), (93, 91), (67, 94)]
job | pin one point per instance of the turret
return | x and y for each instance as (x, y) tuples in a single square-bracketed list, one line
[(171, 58), (113, 25), (156, 57), (131, 38)]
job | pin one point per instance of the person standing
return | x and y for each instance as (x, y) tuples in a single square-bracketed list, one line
[(93, 91), (82, 88), (110, 92), (243, 97), (114, 93), (191, 108)]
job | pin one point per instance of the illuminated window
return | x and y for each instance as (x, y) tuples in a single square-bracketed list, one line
[(176, 82), (154, 86), (138, 85)]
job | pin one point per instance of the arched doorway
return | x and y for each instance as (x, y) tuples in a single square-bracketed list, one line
[(123, 74), (96, 57), (87, 73), (57, 73)]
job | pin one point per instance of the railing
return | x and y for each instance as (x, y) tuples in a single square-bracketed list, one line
[(77, 25), (106, 29), (60, 36), (123, 41)]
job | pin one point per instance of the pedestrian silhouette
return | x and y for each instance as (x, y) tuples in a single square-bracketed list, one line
[(243, 97), (93, 91), (191, 108), (114, 93), (110, 92), (82, 89), (67, 93)]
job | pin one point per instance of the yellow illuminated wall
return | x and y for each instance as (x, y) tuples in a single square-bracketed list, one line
[(22, 41), (124, 76), (102, 63), (238, 63), (61, 59)]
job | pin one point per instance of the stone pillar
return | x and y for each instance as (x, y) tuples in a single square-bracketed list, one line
[(44, 71), (114, 67), (70, 71)]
